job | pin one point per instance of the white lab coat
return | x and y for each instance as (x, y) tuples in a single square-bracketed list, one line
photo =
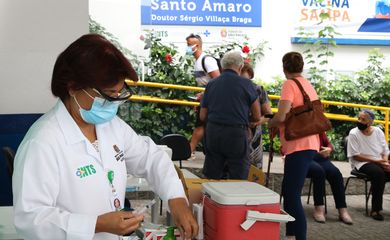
[(60, 182)]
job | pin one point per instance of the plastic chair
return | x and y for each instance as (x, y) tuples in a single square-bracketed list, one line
[(181, 149), (9, 155), (358, 175)]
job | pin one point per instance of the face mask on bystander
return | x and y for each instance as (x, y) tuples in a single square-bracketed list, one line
[(361, 126)]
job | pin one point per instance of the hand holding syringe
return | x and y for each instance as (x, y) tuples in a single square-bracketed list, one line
[(139, 211)]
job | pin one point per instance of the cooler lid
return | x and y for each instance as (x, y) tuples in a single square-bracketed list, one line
[(239, 193)]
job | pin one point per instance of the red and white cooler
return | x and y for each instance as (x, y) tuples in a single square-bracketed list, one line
[(241, 211)]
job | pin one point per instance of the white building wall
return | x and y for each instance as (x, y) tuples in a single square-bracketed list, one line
[(32, 34)]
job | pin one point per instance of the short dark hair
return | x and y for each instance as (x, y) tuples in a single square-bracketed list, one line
[(293, 62), (194, 36), (89, 62), (248, 69)]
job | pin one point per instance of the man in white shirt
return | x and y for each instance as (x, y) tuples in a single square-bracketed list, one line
[(368, 153), (206, 68)]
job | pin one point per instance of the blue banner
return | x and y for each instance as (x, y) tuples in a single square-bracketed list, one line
[(235, 13)]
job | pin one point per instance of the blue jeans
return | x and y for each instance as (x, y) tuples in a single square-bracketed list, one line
[(295, 171)]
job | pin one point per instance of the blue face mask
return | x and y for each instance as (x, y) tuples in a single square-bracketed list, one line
[(101, 111), (189, 50)]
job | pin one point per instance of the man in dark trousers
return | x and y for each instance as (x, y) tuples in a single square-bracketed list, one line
[(227, 103), (206, 68)]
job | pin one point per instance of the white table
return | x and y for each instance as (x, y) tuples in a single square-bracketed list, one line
[(7, 229), (188, 174)]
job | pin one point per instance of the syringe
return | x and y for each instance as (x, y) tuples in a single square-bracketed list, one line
[(146, 207)]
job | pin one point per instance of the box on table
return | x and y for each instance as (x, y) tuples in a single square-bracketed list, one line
[(256, 175), (229, 207), (193, 186), (158, 234)]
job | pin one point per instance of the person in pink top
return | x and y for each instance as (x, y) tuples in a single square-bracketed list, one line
[(299, 152)]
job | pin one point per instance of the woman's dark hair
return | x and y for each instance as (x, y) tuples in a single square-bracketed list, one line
[(293, 62), (89, 62), (248, 69)]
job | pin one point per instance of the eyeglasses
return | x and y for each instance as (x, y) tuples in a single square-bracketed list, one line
[(123, 95)]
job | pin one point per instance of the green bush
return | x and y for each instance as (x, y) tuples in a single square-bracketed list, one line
[(370, 86), (157, 119), (164, 66), (251, 54)]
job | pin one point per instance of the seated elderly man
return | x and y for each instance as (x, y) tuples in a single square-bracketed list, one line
[(368, 152)]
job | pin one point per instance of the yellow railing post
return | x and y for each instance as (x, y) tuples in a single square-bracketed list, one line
[(387, 125)]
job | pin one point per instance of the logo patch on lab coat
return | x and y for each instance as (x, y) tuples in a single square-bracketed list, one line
[(119, 156), (85, 171)]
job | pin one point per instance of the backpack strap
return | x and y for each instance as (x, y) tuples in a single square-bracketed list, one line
[(204, 63)]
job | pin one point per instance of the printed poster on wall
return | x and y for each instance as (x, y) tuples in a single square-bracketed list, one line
[(360, 22)]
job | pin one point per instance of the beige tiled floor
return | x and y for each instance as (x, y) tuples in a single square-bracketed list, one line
[(276, 165)]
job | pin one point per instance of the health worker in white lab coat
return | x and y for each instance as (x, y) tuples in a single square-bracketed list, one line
[(71, 168)]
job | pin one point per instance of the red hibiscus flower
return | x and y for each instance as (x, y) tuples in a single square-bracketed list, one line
[(245, 49), (247, 60), (168, 58)]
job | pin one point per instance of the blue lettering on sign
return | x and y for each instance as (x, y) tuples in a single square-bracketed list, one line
[(333, 3), (245, 13)]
